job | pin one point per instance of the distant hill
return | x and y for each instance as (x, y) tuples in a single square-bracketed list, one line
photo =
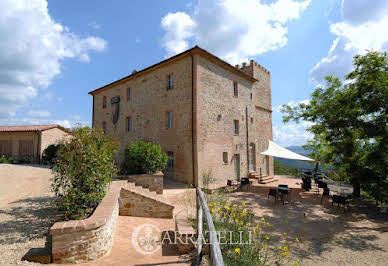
[(295, 163)]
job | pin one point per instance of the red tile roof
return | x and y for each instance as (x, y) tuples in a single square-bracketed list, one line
[(36, 128)]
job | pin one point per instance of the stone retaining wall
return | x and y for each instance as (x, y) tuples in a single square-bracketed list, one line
[(152, 182), (135, 204), (88, 239)]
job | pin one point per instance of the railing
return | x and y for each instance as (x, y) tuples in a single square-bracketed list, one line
[(215, 251)]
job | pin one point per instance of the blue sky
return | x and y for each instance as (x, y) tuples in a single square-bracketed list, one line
[(53, 53)]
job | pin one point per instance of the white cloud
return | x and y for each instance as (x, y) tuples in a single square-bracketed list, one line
[(178, 27), (68, 123), (291, 104), (32, 49), (291, 134), (363, 28), (232, 29), (39, 113)]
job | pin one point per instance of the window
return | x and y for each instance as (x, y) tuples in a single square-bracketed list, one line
[(104, 127), (251, 96), (128, 124), (235, 89), (128, 94), (225, 157), (170, 83), (104, 102), (169, 121), (170, 162), (236, 127), (251, 120)]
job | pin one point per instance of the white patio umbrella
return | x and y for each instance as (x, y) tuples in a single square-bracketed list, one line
[(276, 150)]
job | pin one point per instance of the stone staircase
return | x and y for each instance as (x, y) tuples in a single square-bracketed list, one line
[(141, 202)]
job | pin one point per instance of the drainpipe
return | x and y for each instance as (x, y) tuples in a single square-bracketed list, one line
[(193, 155), (93, 113), (247, 124), (39, 146)]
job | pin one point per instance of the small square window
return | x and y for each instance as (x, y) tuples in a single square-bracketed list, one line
[(170, 162), (235, 89), (170, 80), (104, 127), (170, 118), (128, 124), (104, 102), (236, 127), (128, 94), (225, 157)]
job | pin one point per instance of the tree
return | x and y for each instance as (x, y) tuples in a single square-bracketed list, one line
[(144, 158), (350, 123), (84, 168)]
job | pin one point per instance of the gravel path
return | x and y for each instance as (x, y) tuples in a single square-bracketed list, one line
[(26, 211)]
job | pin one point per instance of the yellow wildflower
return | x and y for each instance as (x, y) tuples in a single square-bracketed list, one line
[(243, 214), (227, 207), (280, 247), (236, 220), (285, 234), (266, 237), (237, 250), (265, 246), (296, 240), (243, 204), (254, 231), (212, 210), (296, 263), (268, 224), (263, 219), (257, 226), (286, 251)]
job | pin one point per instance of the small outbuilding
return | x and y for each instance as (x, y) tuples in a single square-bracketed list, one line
[(27, 143)]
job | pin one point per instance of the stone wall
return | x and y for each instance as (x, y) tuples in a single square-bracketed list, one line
[(135, 204), (52, 136), (148, 106), (88, 239), (152, 182), (218, 108)]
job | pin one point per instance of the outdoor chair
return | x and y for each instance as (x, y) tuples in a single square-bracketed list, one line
[(273, 192), (245, 183), (283, 191), (231, 184), (306, 185), (340, 200), (325, 194)]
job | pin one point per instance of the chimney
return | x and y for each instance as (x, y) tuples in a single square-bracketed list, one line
[(244, 64)]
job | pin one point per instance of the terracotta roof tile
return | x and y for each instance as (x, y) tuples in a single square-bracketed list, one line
[(35, 128)]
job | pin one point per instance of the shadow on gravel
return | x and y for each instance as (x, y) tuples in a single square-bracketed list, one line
[(27, 219)]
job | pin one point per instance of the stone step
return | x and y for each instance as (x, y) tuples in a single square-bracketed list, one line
[(269, 181), (145, 192)]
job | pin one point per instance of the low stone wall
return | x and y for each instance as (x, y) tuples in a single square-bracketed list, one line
[(185, 232), (152, 182), (135, 204), (88, 239)]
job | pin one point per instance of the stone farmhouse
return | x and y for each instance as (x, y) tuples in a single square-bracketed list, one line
[(204, 112), (28, 142)]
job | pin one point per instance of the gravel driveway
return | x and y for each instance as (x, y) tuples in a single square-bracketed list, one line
[(26, 211)]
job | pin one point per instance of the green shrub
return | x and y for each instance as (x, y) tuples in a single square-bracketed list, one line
[(144, 158), (4, 159), (50, 153), (84, 168)]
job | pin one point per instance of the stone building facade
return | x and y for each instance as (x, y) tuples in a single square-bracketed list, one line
[(204, 112), (28, 142)]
